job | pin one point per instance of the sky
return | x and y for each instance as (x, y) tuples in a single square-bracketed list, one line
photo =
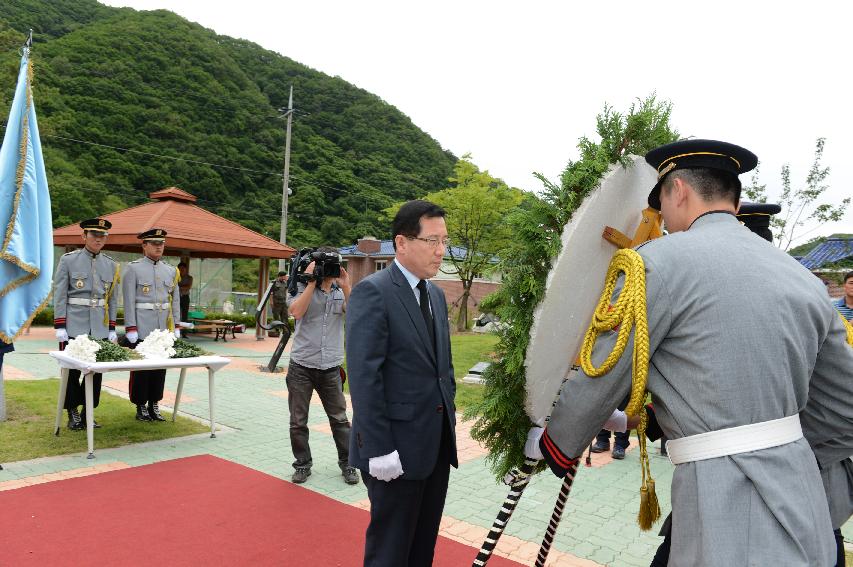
[(516, 87)]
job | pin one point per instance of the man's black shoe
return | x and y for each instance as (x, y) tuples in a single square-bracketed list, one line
[(601, 447), (154, 412), (142, 413), (350, 475), (74, 422), (618, 453), (95, 424), (300, 475)]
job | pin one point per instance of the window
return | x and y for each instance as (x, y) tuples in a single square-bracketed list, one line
[(381, 265)]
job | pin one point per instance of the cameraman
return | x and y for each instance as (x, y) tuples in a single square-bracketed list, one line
[(315, 364)]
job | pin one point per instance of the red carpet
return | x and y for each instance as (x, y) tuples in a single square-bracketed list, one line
[(194, 511)]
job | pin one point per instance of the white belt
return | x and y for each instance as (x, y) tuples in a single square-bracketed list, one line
[(152, 305), (94, 302), (734, 440)]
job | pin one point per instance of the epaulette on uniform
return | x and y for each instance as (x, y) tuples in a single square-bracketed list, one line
[(73, 252), (644, 243), (135, 261), (110, 258)]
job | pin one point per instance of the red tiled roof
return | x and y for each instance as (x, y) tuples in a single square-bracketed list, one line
[(191, 230)]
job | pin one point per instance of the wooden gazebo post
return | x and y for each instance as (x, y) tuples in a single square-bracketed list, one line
[(263, 279)]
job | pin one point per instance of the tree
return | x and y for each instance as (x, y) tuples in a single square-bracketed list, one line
[(502, 423), (799, 205), (476, 206)]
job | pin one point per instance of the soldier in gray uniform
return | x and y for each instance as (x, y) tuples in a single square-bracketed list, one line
[(741, 341), (85, 301), (151, 301)]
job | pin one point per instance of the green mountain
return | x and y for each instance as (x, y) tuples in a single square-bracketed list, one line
[(130, 102)]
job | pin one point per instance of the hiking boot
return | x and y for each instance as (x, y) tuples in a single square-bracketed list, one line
[(95, 424), (300, 475), (154, 412), (350, 475), (601, 447), (142, 413), (618, 453), (74, 422)]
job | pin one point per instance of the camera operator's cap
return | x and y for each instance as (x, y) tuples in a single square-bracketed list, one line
[(692, 154), (96, 225), (152, 235), (756, 217)]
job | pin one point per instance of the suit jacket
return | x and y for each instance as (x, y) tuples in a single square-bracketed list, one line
[(402, 391), (739, 333)]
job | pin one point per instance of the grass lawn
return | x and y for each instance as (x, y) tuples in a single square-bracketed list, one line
[(468, 350), (31, 410)]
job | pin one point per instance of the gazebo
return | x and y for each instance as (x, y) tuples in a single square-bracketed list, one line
[(193, 232)]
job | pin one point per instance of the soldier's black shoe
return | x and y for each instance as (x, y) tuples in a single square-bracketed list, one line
[(74, 421), (601, 447), (95, 424), (300, 475), (142, 413), (350, 475), (154, 412), (618, 453)]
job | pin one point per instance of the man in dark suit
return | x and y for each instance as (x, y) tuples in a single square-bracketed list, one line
[(402, 386)]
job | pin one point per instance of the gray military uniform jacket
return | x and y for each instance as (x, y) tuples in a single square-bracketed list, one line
[(739, 333), (151, 296), (82, 277)]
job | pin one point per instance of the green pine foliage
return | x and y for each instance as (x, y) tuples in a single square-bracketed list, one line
[(501, 422), (155, 83)]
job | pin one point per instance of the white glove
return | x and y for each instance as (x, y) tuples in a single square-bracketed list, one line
[(112, 337), (387, 467), (132, 336), (618, 422), (531, 446), (177, 333), (62, 335), (185, 325)]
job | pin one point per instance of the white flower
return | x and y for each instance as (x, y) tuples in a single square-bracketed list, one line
[(82, 348), (158, 344)]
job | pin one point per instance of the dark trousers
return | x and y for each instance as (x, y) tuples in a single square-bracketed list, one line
[(620, 439), (280, 312), (146, 386), (75, 395), (841, 560), (405, 515), (185, 308), (301, 384)]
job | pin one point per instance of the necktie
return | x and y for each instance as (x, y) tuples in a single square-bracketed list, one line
[(424, 298)]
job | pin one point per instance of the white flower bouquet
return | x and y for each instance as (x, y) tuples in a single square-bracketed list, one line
[(158, 344), (82, 348)]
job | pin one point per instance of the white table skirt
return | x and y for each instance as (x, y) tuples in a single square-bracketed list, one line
[(89, 369)]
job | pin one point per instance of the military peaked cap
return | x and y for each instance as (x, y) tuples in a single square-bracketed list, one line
[(692, 154), (152, 235), (756, 217), (96, 225)]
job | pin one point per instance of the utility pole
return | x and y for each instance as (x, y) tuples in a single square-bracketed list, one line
[(285, 192)]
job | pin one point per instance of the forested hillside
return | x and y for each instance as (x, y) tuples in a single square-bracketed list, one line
[(116, 89)]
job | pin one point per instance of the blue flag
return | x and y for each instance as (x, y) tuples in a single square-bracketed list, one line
[(26, 225)]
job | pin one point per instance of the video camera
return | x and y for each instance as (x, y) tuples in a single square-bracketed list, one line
[(326, 265)]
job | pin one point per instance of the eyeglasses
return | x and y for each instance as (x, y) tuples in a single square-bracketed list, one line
[(432, 241)]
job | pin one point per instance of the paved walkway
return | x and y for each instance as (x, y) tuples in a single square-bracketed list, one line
[(598, 527)]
